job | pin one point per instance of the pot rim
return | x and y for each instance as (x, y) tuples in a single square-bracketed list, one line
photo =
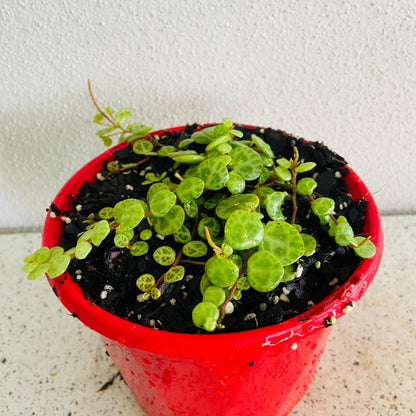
[(285, 333)]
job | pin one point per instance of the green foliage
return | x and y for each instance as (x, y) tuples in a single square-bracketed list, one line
[(309, 243), (284, 241), (53, 261), (139, 248), (164, 255), (212, 224), (183, 235), (162, 202), (245, 202), (171, 222), (264, 271), (243, 230), (128, 213), (221, 272), (195, 248), (190, 189), (146, 234), (118, 125), (262, 146), (205, 316), (82, 249), (305, 167), (365, 248), (306, 186), (246, 162), (232, 196), (323, 206), (100, 231), (214, 173), (273, 203), (236, 183), (142, 147), (106, 213), (215, 295), (174, 274)]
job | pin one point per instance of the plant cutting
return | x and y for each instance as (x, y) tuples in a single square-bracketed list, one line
[(213, 259)]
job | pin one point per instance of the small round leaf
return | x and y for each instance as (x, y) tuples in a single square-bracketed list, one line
[(154, 293), (163, 151), (246, 162), (42, 255), (236, 183), (139, 248), (214, 173), (190, 188), (310, 244), (191, 208), (221, 272), (30, 267), (154, 189), (367, 250), (59, 265), (218, 141), (215, 295), (246, 202), (195, 248), (283, 173), (243, 230), (174, 274), (343, 234), (306, 186), (262, 145), (39, 271), (142, 147), (284, 241), (106, 213), (146, 234), (162, 202), (55, 252), (82, 249), (323, 206), (205, 316), (284, 163), (274, 203), (122, 239), (305, 167), (100, 232), (171, 222), (145, 282), (183, 235), (164, 255), (213, 227), (264, 271)]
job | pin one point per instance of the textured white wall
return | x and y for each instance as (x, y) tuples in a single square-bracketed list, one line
[(339, 71)]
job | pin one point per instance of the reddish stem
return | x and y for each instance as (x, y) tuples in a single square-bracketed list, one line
[(233, 288), (97, 106)]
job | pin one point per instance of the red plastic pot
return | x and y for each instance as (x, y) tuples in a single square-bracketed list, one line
[(262, 372)]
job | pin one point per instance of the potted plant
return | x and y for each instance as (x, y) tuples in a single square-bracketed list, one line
[(212, 259)]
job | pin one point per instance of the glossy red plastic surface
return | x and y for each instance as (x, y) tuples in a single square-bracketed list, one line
[(262, 371)]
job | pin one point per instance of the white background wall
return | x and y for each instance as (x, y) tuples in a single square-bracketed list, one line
[(339, 71)]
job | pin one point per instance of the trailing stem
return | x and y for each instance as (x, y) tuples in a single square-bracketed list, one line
[(294, 189), (233, 288), (99, 109)]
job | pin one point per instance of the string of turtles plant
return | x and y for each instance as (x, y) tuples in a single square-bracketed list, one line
[(252, 243)]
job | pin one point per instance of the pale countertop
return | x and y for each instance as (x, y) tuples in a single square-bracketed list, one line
[(52, 365)]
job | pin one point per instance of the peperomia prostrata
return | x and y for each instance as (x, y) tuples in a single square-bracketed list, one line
[(252, 243)]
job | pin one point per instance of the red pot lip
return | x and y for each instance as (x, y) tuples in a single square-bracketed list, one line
[(202, 345)]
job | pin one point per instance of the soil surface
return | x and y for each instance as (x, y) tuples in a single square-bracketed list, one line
[(108, 275)]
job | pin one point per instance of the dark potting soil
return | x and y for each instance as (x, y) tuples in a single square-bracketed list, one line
[(108, 275)]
